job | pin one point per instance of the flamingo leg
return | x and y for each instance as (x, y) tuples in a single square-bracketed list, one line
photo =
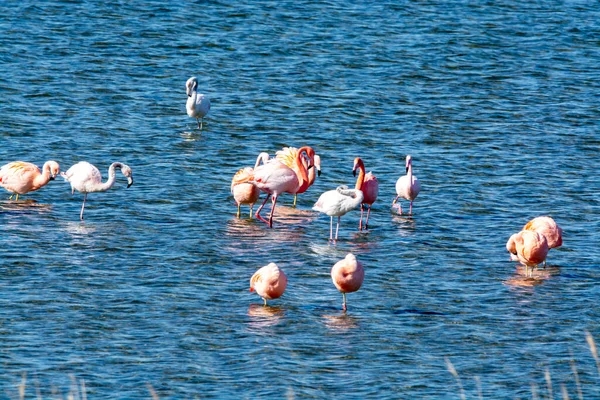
[(272, 210), (265, 300), (251, 207), (11, 196), (260, 208), (362, 207), (410, 211), (238, 211), (367, 221), (337, 227), (331, 228), (344, 303), (82, 207), (199, 123), (295, 197)]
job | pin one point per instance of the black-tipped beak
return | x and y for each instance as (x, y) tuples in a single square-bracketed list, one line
[(353, 172), (129, 182), (318, 172), (407, 170), (52, 178)]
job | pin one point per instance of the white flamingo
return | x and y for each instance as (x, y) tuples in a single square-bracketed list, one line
[(407, 186), (336, 203), (85, 178), (198, 104)]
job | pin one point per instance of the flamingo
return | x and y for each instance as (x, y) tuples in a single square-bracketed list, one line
[(531, 247), (19, 177), (512, 247), (369, 186), (85, 178), (547, 227), (198, 104), (347, 275), (336, 203), (275, 178), (407, 186), (288, 155), (269, 282), (244, 192)]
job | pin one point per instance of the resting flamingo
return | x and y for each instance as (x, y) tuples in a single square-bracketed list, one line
[(367, 183), (244, 192), (287, 155), (275, 178), (336, 203), (19, 177), (547, 227), (85, 178), (407, 186), (269, 282), (198, 104), (531, 247), (347, 275)]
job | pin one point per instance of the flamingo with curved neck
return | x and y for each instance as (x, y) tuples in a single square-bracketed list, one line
[(407, 186), (287, 155), (275, 178), (336, 203), (19, 177), (242, 190), (197, 105), (86, 178), (368, 184)]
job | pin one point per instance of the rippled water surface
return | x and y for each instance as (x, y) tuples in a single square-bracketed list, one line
[(497, 104)]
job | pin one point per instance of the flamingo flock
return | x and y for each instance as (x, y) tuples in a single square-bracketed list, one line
[(292, 170)]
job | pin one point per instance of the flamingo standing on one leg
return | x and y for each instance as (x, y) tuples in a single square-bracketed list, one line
[(531, 247), (367, 183), (547, 227), (19, 177), (244, 192), (85, 178), (347, 275), (336, 203), (275, 178), (197, 105), (407, 186), (269, 282), (287, 155)]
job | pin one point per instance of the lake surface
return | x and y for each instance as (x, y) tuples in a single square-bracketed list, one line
[(498, 105)]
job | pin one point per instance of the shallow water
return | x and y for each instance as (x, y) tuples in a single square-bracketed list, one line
[(497, 104)]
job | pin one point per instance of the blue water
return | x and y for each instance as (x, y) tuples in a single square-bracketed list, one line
[(498, 104)]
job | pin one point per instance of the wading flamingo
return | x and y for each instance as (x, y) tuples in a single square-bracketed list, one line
[(407, 186), (336, 203), (269, 282), (85, 178), (367, 183), (512, 247), (244, 192), (532, 249), (347, 275), (275, 178), (198, 104), (288, 156), (19, 177), (547, 227)]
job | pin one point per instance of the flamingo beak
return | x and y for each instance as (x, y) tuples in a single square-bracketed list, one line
[(354, 172), (129, 181), (318, 172)]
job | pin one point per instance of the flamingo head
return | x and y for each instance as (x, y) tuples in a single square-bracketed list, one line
[(318, 164), (408, 162), (191, 85), (126, 171), (358, 163), (54, 169)]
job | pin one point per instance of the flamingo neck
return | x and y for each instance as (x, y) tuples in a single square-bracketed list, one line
[(361, 176), (111, 178), (303, 180), (44, 177)]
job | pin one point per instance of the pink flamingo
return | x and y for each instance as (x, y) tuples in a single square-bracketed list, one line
[(275, 178), (347, 275), (369, 186), (242, 190), (407, 186), (19, 177), (198, 104), (512, 247), (288, 157), (85, 178), (547, 227), (336, 203), (269, 282), (531, 247)]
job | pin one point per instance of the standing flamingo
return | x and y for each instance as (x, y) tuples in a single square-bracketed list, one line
[(407, 186), (347, 275), (532, 248), (336, 203), (85, 178), (288, 156), (19, 177), (512, 247), (269, 282), (275, 178), (244, 192), (197, 105), (369, 186)]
